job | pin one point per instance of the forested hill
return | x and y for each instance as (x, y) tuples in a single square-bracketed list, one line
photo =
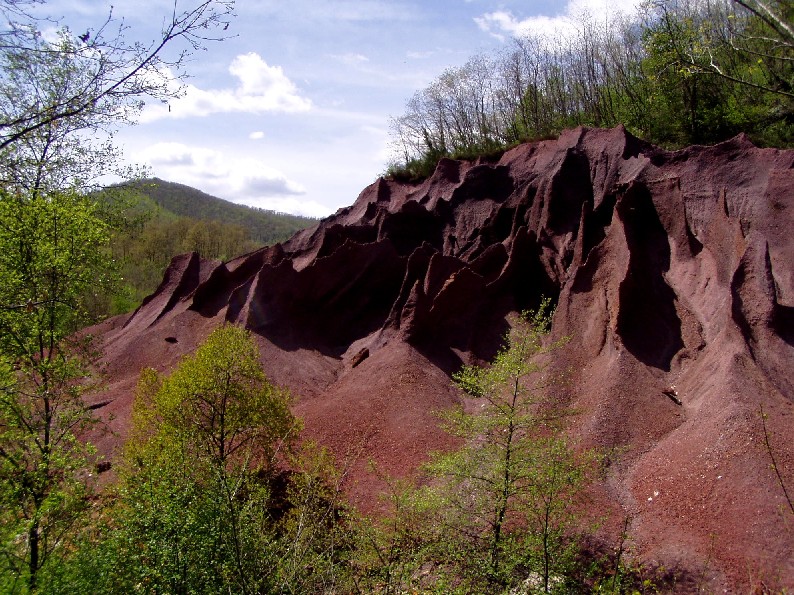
[(265, 227), (163, 219)]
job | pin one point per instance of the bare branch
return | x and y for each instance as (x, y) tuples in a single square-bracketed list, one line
[(764, 12), (107, 78)]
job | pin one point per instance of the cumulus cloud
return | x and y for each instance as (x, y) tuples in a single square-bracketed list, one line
[(503, 23), (182, 157), (256, 135), (260, 88), (268, 182), (240, 180)]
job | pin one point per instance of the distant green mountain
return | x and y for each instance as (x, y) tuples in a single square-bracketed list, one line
[(155, 220), (265, 227)]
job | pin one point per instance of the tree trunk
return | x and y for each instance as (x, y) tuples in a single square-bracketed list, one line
[(33, 565)]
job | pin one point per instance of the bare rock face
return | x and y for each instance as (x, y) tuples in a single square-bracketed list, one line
[(673, 274)]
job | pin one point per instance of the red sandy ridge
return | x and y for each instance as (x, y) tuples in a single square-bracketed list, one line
[(669, 269)]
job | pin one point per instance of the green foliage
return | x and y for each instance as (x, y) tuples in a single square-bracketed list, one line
[(415, 169), (421, 168), (43, 493), (57, 92), (206, 503), (51, 256), (511, 489), (394, 549), (314, 543), (204, 443), (263, 227), (678, 73), (503, 510), (702, 87), (216, 408), (153, 221)]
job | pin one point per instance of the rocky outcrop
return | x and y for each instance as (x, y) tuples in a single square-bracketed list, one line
[(669, 269)]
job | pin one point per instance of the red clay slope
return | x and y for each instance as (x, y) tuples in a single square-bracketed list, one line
[(668, 268)]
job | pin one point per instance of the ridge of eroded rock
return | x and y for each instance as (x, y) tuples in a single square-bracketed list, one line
[(668, 269)]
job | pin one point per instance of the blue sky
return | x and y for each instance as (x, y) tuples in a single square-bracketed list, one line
[(292, 113)]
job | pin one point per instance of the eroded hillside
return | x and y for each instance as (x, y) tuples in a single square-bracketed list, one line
[(673, 274)]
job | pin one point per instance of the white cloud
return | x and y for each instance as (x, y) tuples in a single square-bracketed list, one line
[(502, 23), (256, 135), (238, 179), (268, 182), (260, 88)]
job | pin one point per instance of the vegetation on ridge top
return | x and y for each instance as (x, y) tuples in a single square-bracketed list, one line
[(676, 74)]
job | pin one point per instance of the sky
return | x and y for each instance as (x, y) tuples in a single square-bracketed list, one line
[(291, 112)]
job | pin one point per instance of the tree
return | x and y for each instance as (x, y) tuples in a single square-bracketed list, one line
[(770, 41), (201, 459), (56, 95), (728, 70), (780, 18), (510, 491), (314, 535), (50, 259), (393, 548), (218, 404), (676, 73)]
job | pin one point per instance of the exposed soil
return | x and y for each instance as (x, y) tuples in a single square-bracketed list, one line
[(673, 273)]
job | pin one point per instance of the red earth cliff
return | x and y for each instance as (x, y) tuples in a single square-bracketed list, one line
[(667, 268)]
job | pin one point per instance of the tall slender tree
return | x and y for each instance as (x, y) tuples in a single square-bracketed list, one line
[(510, 491), (53, 254), (51, 257)]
